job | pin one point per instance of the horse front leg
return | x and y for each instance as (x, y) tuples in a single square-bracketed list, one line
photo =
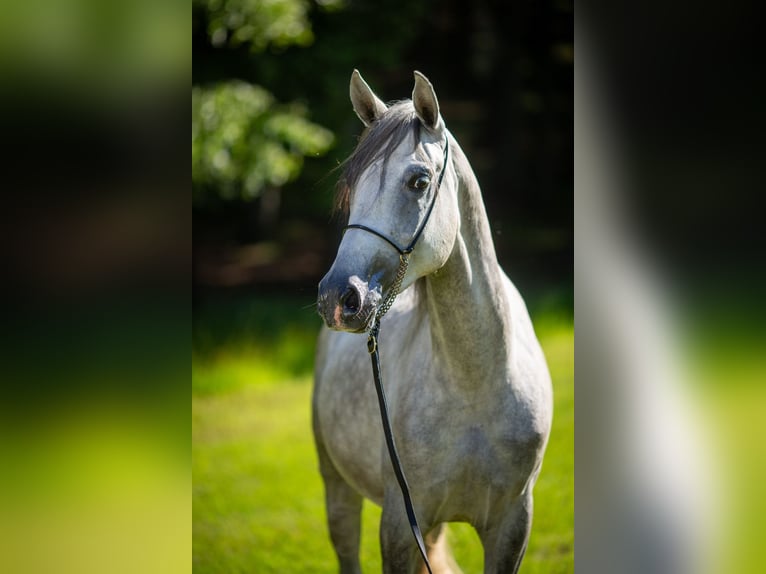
[(505, 538), (344, 512), (344, 509), (398, 549)]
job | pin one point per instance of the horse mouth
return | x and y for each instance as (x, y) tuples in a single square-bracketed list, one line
[(361, 322)]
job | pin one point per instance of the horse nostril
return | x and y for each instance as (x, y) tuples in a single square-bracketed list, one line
[(350, 301)]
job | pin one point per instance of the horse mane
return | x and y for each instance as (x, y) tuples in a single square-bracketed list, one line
[(378, 140)]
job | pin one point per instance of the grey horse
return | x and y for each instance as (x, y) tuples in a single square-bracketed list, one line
[(468, 388)]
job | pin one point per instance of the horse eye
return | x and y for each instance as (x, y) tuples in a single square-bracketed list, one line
[(419, 182)]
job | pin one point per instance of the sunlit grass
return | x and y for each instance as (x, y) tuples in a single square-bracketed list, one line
[(729, 369), (98, 488), (258, 497)]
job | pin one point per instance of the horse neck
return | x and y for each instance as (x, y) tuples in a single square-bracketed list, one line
[(467, 301)]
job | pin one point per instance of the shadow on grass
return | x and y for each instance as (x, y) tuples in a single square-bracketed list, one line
[(258, 340)]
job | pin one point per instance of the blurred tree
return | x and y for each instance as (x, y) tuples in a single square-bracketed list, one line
[(246, 144)]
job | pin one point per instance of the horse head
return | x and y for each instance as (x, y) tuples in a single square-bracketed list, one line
[(399, 193)]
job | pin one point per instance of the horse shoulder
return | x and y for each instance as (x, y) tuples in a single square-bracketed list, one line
[(530, 402)]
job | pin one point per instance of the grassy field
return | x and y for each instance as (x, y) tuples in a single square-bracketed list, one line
[(258, 502)]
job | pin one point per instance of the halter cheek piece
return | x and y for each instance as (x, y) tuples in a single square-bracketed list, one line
[(372, 347)]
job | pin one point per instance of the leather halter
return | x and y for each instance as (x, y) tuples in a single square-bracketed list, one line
[(372, 348), (407, 250)]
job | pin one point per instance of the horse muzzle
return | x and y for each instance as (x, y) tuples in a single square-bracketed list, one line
[(347, 305)]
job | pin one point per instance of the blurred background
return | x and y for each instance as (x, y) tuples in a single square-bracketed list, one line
[(271, 122), (96, 251), (271, 119), (95, 254), (670, 289)]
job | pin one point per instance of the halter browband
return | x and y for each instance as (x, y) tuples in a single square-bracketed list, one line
[(407, 250)]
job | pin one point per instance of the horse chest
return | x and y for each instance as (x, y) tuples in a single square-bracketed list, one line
[(465, 466), (468, 444), (464, 447)]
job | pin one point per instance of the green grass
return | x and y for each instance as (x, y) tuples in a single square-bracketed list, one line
[(258, 502)]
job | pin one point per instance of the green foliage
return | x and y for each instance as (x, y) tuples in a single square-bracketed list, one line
[(260, 23), (98, 52), (244, 141)]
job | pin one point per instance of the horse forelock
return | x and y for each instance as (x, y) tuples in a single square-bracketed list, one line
[(376, 142)]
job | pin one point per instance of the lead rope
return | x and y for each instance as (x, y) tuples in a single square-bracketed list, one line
[(372, 347)]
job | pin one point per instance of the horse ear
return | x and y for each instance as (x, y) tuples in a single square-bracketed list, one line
[(426, 104), (366, 104)]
